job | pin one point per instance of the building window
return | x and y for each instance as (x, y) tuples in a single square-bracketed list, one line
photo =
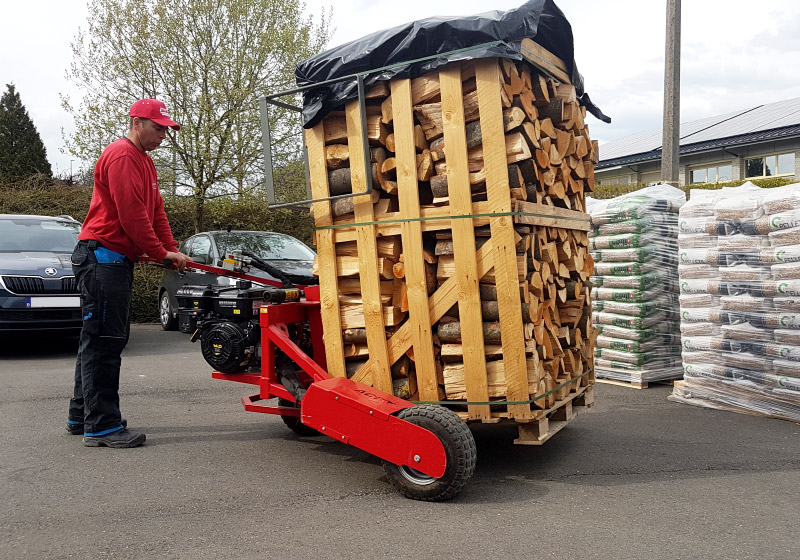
[(711, 174), (769, 166)]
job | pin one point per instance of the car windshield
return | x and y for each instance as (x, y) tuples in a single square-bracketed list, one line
[(38, 234), (265, 246)]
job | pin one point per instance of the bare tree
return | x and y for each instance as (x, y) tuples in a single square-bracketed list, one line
[(208, 61)]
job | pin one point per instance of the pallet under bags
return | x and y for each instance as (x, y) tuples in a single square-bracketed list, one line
[(740, 300), (634, 245)]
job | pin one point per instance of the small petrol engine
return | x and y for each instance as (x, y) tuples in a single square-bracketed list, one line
[(227, 321)]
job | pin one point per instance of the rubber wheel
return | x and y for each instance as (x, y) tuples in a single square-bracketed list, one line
[(459, 447), (294, 423), (168, 321)]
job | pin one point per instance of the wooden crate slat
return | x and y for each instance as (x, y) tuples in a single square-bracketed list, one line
[(469, 303), (367, 253), (545, 60), (408, 194), (329, 282), (434, 219), (488, 79), (551, 216), (445, 297)]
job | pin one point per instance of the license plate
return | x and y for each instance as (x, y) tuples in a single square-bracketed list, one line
[(62, 301)]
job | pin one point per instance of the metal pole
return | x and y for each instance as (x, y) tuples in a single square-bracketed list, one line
[(266, 146), (670, 144)]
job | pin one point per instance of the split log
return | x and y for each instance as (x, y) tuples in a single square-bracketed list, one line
[(337, 155), (340, 182), (342, 206), (430, 115), (378, 91), (455, 352), (455, 384), (424, 166), (355, 336), (451, 332), (388, 247), (439, 185), (336, 130), (350, 266), (439, 182), (353, 286)]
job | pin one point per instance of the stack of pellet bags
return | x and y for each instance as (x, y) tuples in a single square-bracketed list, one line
[(740, 300), (634, 245)]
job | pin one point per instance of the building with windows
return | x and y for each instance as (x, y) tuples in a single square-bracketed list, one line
[(754, 143)]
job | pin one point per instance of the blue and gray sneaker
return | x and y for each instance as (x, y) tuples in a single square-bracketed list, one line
[(76, 428), (119, 439)]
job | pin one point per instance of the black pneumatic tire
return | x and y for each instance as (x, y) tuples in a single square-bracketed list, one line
[(294, 423), (168, 321), (459, 447)]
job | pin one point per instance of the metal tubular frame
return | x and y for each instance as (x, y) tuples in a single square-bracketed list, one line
[(266, 135), (273, 100)]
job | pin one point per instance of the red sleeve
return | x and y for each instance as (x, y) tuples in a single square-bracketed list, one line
[(126, 182)]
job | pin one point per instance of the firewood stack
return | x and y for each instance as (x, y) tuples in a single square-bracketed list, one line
[(462, 276)]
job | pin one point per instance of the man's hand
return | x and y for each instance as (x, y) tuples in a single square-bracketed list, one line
[(179, 260)]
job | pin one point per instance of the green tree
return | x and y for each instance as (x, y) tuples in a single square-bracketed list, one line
[(22, 152), (209, 61)]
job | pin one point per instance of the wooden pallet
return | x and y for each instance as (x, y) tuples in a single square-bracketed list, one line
[(724, 394), (556, 418), (635, 384)]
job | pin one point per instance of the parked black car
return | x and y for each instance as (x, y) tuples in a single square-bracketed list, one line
[(289, 255), (37, 286)]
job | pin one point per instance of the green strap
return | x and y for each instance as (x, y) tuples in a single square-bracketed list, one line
[(504, 403), (465, 216)]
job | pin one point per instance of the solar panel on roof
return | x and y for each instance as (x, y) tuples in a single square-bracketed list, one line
[(707, 130)]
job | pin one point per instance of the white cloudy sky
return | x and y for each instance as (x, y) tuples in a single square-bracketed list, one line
[(735, 54)]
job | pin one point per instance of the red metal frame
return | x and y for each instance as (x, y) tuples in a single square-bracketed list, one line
[(350, 412), (233, 273)]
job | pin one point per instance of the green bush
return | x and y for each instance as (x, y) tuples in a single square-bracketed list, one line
[(611, 191), (42, 195), (144, 299)]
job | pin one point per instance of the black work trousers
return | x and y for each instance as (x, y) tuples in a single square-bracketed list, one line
[(105, 303)]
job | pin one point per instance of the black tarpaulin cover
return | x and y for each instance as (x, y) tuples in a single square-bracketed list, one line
[(487, 35)]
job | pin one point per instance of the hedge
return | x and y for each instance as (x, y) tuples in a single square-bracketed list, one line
[(42, 195), (611, 191)]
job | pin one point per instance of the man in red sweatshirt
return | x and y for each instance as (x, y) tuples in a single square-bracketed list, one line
[(126, 220)]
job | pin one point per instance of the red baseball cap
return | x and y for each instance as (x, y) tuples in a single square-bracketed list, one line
[(154, 110)]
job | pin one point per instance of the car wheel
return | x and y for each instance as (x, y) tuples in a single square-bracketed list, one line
[(168, 320)]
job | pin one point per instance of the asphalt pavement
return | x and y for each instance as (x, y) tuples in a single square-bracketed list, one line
[(636, 477)]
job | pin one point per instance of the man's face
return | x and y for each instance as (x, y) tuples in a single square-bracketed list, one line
[(150, 134)]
